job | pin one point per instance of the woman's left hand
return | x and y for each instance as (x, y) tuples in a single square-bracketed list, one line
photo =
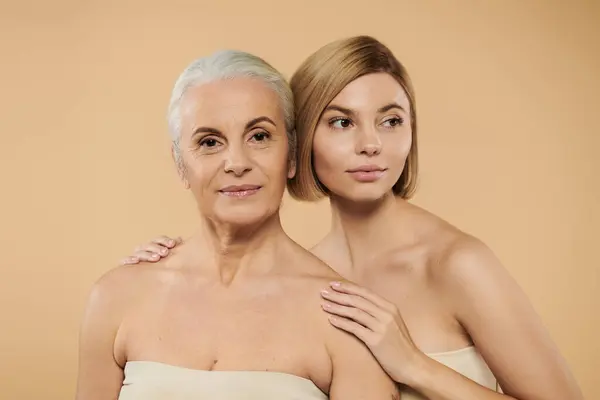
[(377, 323)]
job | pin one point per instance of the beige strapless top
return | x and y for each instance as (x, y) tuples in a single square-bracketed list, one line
[(467, 362), (147, 380)]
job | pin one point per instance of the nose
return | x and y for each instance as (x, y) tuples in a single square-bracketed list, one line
[(237, 162), (368, 142)]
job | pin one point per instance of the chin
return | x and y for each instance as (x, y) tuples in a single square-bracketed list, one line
[(365, 198), (364, 193), (246, 215), (241, 218)]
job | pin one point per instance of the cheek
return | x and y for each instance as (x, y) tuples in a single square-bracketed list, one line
[(273, 163), (397, 147), (198, 171), (330, 154)]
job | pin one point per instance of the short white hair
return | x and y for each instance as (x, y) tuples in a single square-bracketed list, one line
[(227, 64)]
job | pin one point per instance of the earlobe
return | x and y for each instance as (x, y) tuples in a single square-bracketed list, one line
[(291, 169), (292, 156), (186, 184)]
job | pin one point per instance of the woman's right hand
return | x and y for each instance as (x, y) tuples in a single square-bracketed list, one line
[(152, 251)]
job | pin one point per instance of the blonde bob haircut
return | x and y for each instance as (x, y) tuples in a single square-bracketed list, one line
[(318, 81)]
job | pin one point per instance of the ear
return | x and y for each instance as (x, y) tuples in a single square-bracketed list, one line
[(292, 157), (291, 169), (181, 171)]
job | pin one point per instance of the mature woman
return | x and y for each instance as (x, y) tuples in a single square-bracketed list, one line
[(433, 304), (234, 312)]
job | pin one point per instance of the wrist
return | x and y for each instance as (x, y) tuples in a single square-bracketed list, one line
[(417, 372)]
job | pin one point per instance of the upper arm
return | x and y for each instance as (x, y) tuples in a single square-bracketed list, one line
[(356, 373), (504, 326), (99, 374)]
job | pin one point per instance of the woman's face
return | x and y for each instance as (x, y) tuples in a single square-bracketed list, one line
[(234, 150), (363, 139)]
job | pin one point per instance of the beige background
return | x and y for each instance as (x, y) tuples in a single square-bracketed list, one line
[(508, 95)]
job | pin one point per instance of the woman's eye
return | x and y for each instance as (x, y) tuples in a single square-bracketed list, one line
[(392, 122), (209, 142), (341, 123), (260, 136)]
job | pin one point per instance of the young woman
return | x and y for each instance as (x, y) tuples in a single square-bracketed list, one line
[(229, 315), (433, 304)]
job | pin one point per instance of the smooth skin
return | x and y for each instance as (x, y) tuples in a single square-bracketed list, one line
[(239, 294), (414, 284)]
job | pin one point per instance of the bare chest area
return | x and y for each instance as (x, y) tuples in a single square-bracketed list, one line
[(216, 330), (408, 284)]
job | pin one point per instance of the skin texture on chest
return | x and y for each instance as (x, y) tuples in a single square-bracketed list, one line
[(406, 277), (266, 328)]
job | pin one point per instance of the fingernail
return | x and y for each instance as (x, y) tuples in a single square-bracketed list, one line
[(163, 251), (153, 256), (171, 242), (324, 292), (326, 306), (336, 284)]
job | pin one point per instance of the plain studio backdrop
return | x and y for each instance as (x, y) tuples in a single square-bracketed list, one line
[(507, 95)]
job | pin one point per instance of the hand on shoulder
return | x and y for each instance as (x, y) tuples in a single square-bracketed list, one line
[(152, 251)]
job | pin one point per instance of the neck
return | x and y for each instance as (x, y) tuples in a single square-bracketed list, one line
[(240, 250), (365, 230)]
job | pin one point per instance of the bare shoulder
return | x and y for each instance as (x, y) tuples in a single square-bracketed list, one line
[(306, 276), (116, 290), (498, 316), (112, 292), (310, 267), (463, 269), (465, 261), (450, 252), (463, 256), (454, 263), (343, 348), (117, 282)]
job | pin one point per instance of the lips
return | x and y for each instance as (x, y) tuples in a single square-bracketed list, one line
[(239, 191), (367, 168), (367, 173)]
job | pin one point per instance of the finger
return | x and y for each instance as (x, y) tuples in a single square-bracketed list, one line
[(153, 248), (129, 261), (351, 327), (167, 241), (351, 288), (355, 314), (147, 256), (355, 301)]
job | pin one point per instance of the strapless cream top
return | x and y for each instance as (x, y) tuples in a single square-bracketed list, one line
[(467, 362), (147, 380)]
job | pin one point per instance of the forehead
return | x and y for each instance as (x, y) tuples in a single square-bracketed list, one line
[(371, 92), (229, 102)]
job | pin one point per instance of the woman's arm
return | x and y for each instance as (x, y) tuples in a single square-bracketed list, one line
[(493, 310), (505, 329), (99, 374)]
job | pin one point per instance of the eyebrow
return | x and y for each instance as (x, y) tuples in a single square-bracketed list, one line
[(333, 107), (349, 112), (391, 106), (249, 124), (255, 121)]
